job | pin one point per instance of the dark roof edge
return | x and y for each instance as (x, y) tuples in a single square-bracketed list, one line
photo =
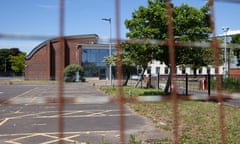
[(38, 47)]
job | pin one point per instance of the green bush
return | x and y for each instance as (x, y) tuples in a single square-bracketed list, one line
[(231, 84), (70, 73), (228, 84)]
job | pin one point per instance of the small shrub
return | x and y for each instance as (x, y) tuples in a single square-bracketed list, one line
[(231, 84), (70, 73), (133, 140), (228, 84)]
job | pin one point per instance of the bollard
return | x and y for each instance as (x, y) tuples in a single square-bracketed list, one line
[(202, 84)]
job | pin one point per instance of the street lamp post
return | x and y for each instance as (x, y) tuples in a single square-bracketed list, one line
[(225, 67), (110, 46)]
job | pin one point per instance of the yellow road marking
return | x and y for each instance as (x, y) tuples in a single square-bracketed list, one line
[(23, 136), (4, 121), (22, 94), (56, 133)]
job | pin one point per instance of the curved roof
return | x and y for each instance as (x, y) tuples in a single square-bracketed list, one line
[(41, 45)]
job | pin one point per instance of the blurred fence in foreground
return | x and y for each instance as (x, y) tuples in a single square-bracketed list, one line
[(179, 84)]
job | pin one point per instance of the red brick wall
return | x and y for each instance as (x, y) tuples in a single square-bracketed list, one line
[(74, 50), (44, 61), (37, 68), (234, 73)]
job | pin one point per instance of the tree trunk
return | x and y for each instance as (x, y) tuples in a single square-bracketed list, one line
[(140, 79), (126, 81), (194, 71), (167, 86)]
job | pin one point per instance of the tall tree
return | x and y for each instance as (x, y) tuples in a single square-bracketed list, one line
[(127, 64), (236, 51), (190, 24), (5, 65), (11, 60), (17, 62), (146, 23)]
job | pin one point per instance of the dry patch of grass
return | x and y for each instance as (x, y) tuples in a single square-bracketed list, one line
[(199, 122)]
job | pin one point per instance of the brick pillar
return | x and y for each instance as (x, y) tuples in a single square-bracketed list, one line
[(48, 64)]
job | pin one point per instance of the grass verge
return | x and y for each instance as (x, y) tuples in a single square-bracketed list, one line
[(199, 122), (130, 91)]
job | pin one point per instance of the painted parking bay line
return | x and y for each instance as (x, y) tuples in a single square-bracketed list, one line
[(4, 121), (69, 136)]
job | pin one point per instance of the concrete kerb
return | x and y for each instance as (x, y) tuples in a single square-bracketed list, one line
[(235, 95)]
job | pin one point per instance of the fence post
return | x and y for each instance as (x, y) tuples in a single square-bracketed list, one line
[(158, 80), (209, 83), (186, 82)]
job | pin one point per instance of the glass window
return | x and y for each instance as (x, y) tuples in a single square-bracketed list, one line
[(209, 70), (200, 71), (183, 70), (157, 70), (166, 70), (92, 61)]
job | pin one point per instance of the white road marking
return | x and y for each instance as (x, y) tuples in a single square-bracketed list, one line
[(39, 124)]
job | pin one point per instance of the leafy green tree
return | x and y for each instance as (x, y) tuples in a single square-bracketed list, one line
[(146, 23), (17, 62), (7, 64), (4, 62), (236, 51), (127, 64), (190, 25)]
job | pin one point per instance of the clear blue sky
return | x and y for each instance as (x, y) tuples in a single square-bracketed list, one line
[(40, 17)]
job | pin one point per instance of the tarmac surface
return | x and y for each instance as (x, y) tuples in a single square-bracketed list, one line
[(29, 115)]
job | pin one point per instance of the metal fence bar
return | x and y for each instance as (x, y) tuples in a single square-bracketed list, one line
[(172, 71), (119, 74), (218, 76), (60, 68), (170, 43)]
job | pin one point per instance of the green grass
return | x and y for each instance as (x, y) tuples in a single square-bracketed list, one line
[(131, 91), (199, 122)]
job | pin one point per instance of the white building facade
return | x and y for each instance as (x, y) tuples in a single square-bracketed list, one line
[(157, 67)]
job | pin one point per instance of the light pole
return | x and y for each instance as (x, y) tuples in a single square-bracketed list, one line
[(225, 67), (110, 46)]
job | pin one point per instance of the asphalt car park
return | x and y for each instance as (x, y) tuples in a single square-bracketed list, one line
[(29, 114)]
